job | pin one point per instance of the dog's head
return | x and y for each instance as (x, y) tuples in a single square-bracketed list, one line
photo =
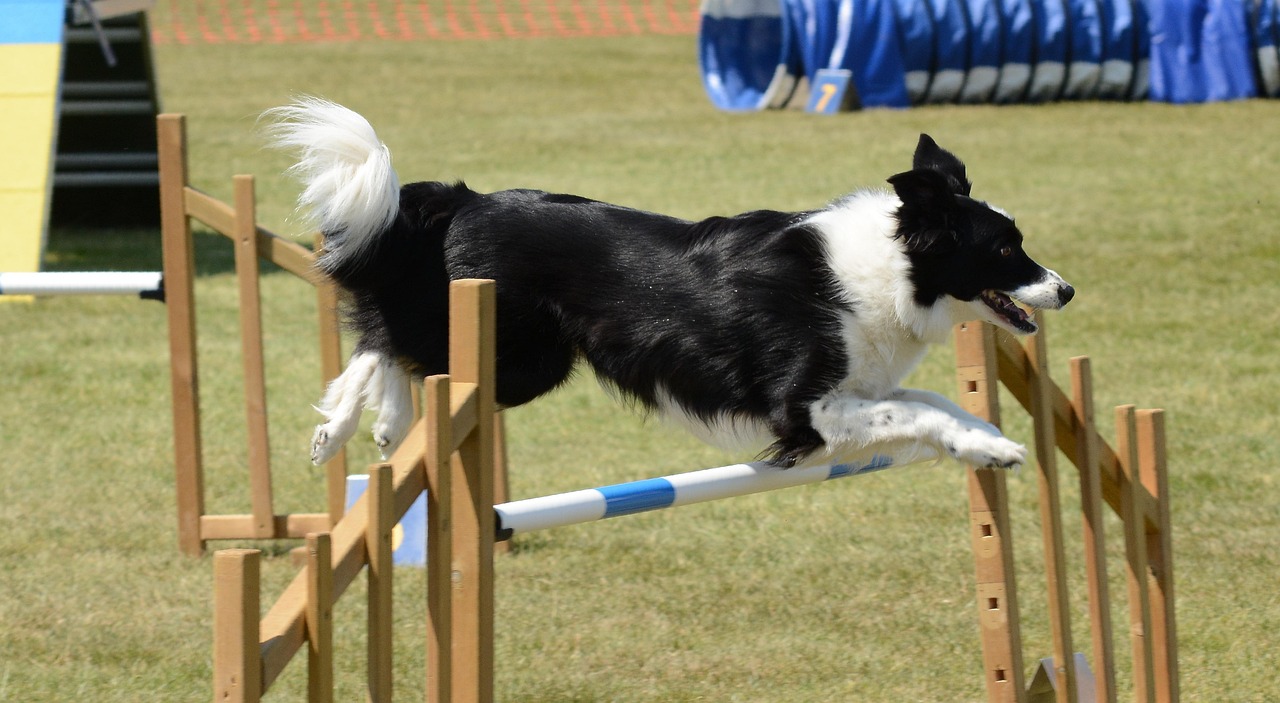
[(965, 249)]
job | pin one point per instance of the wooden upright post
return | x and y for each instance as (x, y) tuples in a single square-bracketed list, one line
[(1095, 552), (1135, 544), (1164, 632), (472, 361), (237, 668), (179, 275), (992, 536), (330, 367), (319, 618), (381, 521), (439, 449), (1040, 385), (255, 382)]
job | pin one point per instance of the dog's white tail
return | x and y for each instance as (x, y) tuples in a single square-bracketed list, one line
[(351, 190)]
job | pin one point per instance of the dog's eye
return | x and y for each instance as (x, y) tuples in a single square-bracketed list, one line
[(1006, 251)]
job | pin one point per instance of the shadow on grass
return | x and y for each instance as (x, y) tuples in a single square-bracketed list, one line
[(134, 250)]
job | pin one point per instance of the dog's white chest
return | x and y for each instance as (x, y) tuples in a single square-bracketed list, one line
[(878, 356)]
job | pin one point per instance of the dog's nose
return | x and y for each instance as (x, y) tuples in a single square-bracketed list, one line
[(1065, 294)]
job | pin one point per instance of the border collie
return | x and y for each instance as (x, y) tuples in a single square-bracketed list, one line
[(787, 330)]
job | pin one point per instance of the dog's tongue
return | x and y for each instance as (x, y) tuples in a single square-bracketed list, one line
[(1005, 305)]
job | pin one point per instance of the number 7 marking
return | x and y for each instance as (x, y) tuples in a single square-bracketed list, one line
[(828, 91)]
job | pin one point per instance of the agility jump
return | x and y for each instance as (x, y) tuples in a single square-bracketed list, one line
[(450, 452)]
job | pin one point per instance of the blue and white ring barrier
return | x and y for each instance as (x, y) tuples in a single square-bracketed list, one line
[(521, 516), (757, 54), (147, 284)]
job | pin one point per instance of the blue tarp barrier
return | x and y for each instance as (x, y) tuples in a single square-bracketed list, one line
[(1018, 55), (915, 35), (1085, 66), (1119, 49), (1050, 70), (867, 45), (754, 53), (746, 53), (985, 43), (951, 50), (1200, 51), (1264, 24)]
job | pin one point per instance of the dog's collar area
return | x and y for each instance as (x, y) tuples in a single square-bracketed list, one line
[(1004, 307)]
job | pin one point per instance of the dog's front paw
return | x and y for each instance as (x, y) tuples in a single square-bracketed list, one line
[(388, 438), (986, 451)]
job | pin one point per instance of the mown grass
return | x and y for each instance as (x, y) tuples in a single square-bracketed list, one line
[(1162, 217)]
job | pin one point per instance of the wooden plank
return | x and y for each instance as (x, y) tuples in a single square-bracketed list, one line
[(1095, 554), (1135, 547), (330, 368), (377, 541), (283, 625), (990, 531), (471, 360), (1039, 383), (237, 671), (184, 374), (219, 216), (1153, 469), (288, 255), (319, 618), (255, 383), (439, 443), (291, 526)]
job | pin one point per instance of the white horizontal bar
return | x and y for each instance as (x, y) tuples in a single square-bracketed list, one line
[(80, 283), (576, 507)]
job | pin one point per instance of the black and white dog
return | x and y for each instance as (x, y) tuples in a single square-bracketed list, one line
[(790, 330)]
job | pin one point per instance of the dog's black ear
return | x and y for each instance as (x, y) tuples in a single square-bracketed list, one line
[(924, 189), (928, 212), (933, 157)]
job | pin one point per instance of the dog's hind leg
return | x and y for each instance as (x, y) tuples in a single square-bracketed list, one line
[(341, 406), (394, 406)]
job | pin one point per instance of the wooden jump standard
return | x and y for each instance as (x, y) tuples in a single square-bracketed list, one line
[(449, 454), (180, 203)]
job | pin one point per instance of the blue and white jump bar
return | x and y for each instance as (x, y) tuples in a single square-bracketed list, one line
[(521, 516), (146, 284)]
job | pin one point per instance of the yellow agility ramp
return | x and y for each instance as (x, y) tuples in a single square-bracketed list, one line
[(30, 71)]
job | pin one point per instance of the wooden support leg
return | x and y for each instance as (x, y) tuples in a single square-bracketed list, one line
[(330, 368), (989, 520), (439, 443), (1040, 384), (1095, 553), (1164, 631), (319, 618), (382, 521), (471, 361), (1135, 544), (179, 275), (237, 667)]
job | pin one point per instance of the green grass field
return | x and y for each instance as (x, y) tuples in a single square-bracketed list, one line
[(1162, 217)]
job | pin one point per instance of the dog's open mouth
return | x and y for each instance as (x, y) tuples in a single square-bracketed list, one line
[(1004, 308)]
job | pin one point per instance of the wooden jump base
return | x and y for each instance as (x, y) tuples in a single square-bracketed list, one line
[(449, 454), (180, 203)]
